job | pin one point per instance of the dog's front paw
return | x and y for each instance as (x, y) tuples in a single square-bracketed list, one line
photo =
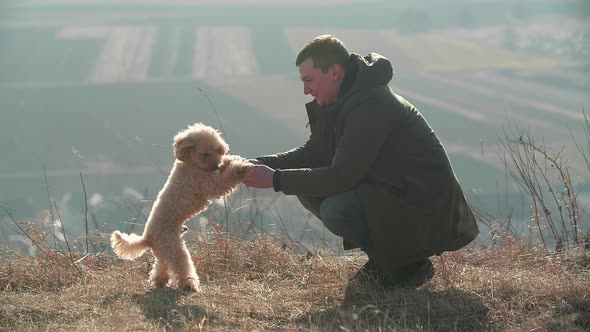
[(236, 167), (241, 170), (225, 163)]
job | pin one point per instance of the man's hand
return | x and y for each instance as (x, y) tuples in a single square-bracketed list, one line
[(258, 176)]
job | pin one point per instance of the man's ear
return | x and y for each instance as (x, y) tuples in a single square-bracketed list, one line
[(337, 72)]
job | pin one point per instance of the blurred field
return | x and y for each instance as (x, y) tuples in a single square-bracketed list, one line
[(439, 52), (87, 84)]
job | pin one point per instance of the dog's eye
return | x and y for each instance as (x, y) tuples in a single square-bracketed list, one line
[(206, 155)]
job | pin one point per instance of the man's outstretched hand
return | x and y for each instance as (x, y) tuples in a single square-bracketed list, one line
[(258, 176)]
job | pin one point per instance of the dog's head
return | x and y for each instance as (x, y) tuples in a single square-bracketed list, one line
[(200, 145)]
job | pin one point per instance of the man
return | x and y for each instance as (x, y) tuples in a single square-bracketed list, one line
[(372, 169)]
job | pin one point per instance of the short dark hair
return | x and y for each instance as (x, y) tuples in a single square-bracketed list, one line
[(324, 50)]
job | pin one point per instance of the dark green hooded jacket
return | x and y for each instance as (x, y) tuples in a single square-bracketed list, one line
[(371, 135)]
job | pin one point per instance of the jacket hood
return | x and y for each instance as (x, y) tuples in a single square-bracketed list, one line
[(366, 72), (362, 72)]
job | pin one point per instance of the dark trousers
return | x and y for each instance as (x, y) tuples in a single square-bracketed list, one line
[(342, 214)]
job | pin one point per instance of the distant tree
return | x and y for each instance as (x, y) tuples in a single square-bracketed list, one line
[(509, 39), (466, 18), (519, 10), (414, 20), (583, 8)]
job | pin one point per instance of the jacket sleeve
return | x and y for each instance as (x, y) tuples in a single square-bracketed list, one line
[(295, 158), (366, 128)]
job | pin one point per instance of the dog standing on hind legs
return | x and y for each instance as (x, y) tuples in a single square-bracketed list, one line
[(202, 172)]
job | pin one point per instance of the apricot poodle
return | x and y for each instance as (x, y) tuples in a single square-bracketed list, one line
[(202, 172)]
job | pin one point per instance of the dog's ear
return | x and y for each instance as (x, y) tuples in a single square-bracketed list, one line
[(182, 146)]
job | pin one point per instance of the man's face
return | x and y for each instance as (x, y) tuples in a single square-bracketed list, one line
[(322, 86)]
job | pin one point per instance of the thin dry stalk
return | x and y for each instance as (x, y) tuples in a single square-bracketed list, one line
[(65, 237), (536, 170), (585, 153), (35, 240), (85, 209), (51, 215)]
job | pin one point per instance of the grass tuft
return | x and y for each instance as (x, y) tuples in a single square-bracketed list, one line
[(260, 284)]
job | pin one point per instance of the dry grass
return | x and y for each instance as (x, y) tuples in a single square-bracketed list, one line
[(257, 284)]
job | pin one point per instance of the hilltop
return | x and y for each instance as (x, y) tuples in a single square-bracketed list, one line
[(262, 284)]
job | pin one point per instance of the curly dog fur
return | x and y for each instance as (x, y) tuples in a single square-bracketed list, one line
[(202, 171)]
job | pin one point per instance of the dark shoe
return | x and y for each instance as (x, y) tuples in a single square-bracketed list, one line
[(368, 283), (423, 274), (363, 285), (412, 276), (367, 273)]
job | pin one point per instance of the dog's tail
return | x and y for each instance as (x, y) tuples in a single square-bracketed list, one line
[(128, 246)]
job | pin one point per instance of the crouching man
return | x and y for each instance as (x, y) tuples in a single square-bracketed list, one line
[(373, 170)]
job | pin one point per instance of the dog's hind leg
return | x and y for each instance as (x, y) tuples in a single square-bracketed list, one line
[(183, 268), (160, 273)]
